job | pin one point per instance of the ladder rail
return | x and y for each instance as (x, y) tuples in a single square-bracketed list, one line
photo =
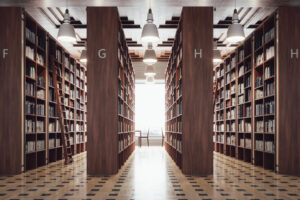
[(64, 130)]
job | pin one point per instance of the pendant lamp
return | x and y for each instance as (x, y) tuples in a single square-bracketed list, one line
[(150, 80), (235, 32), (217, 54), (66, 32), (150, 71), (150, 56), (83, 57), (150, 32)]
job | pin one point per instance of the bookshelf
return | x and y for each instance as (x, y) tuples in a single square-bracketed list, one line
[(188, 128), (259, 130), (111, 97), (42, 132)]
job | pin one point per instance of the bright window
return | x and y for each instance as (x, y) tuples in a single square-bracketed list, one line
[(150, 108)]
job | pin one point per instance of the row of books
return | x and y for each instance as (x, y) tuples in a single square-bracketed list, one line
[(270, 107), (40, 59), (241, 55), (269, 71), (40, 94), (41, 81), (30, 71), (270, 126), (230, 140), (40, 109), (248, 95), (268, 146), (54, 126), (40, 126), (220, 127), (79, 138), (31, 146), (245, 142), (259, 126), (269, 34), (259, 109), (220, 138), (270, 51), (29, 126), (30, 35), (230, 127), (259, 94), (259, 59), (269, 89), (29, 107), (258, 81), (52, 142), (29, 52), (79, 127), (30, 88)]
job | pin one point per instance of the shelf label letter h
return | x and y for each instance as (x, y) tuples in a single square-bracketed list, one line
[(294, 53), (5, 52), (198, 53), (102, 53)]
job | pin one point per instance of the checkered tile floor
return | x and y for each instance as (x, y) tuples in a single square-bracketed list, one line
[(150, 174)]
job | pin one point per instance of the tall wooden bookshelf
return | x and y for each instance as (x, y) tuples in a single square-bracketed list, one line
[(256, 131), (42, 132), (188, 117), (39, 135), (111, 97)]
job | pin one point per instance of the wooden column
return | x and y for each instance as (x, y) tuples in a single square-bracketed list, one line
[(11, 98), (197, 147), (288, 89), (102, 73)]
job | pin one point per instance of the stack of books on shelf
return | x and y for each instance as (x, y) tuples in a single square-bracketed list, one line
[(270, 107), (269, 34), (248, 143), (40, 94), (270, 51), (270, 125), (259, 126), (40, 145), (242, 142), (30, 71), (233, 126), (30, 35), (269, 146), (241, 125), (232, 139), (269, 89), (41, 81), (248, 127), (30, 146), (29, 52), (29, 126), (51, 143), (40, 126), (259, 109), (58, 55), (30, 89), (58, 144), (259, 145), (259, 94), (40, 109), (40, 59), (258, 81), (269, 71), (259, 59), (29, 107), (241, 70), (241, 55)]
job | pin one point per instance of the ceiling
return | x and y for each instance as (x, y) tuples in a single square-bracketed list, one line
[(133, 12)]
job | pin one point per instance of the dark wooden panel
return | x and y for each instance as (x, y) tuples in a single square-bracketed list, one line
[(289, 91), (11, 91), (102, 33), (197, 108)]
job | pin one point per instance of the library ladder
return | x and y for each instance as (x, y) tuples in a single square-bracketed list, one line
[(65, 134)]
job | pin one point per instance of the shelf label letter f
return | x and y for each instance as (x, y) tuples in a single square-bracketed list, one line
[(294, 53), (102, 53), (198, 53), (5, 53)]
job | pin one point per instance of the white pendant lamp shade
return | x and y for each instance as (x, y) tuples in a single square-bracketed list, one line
[(150, 56), (217, 54), (149, 71), (150, 32), (83, 57), (150, 79), (235, 32), (66, 32)]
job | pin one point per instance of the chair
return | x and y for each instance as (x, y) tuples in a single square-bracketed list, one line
[(162, 138), (141, 137)]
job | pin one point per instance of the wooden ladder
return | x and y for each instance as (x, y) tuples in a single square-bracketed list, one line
[(64, 127)]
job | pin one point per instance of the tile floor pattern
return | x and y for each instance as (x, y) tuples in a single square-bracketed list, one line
[(150, 174)]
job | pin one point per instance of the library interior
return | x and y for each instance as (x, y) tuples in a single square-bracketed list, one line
[(150, 99)]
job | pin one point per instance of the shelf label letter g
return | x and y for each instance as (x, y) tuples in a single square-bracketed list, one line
[(198, 53), (294, 53), (102, 53), (5, 52)]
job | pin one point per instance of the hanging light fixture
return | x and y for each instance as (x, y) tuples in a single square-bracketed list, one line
[(150, 71), (66, 32), (150, 32), (149, 56), (150, 80), (217, 54), (83, 57), (235, 32)]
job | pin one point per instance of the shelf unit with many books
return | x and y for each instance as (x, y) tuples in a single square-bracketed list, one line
[(260, 131)]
